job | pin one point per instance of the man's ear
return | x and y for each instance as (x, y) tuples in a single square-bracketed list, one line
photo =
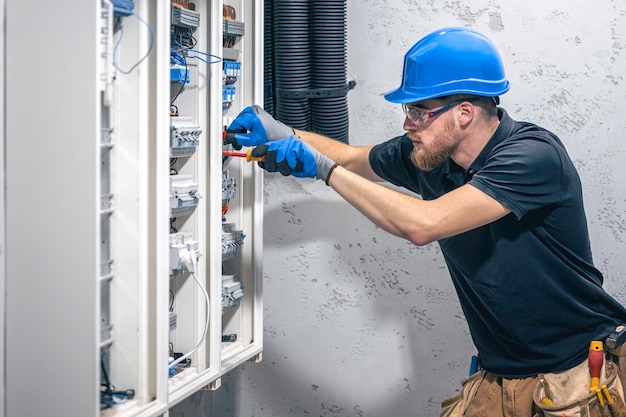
[(467, 111)]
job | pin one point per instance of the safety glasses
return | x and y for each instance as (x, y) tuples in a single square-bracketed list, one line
[(418, 115)]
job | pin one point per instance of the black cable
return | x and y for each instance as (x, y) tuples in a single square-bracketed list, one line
[(105, 375), (184, 38)]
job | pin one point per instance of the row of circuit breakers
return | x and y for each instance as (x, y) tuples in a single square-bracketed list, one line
[(185, 136)]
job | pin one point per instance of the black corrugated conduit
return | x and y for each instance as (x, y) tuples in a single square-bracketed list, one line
[(268, 67), (305, 61), (292, 62)]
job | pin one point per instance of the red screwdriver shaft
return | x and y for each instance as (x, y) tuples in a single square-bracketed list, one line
[(247, 155), (238, 154)]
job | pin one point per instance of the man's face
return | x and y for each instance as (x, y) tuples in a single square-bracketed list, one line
[(434, 139), (432, 150)]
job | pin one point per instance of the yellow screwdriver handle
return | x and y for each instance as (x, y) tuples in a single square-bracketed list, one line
[(249, 156), (607, 394)]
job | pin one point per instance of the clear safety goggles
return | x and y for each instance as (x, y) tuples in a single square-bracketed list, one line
[(421, 115)]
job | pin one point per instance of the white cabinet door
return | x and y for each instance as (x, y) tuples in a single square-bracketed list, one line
[(129, 286)]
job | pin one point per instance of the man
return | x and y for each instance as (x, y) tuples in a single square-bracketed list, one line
[(501, 197)]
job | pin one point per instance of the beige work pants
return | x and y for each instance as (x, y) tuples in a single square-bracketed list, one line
[(487, 395), (502, 397)]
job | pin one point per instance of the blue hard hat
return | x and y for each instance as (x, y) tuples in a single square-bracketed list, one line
[(451, 60)]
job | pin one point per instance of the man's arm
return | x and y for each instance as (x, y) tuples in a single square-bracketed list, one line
[(411, 218), (408, 217), (352, 158)]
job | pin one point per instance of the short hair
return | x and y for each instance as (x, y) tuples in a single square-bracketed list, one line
[(489, 105)]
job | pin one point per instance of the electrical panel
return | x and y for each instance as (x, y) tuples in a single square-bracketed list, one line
[(167, 278)]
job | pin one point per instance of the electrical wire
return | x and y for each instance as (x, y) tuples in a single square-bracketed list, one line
[(205, 54), (185, 36), (121, 28), (105, 375), (186, 51), (206, 325), (184, 54), (108, 392)]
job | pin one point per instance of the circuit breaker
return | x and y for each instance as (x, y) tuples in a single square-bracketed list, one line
[(213, 192), (154, 280)]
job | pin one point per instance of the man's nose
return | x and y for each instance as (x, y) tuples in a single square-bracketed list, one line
[(409, 125)]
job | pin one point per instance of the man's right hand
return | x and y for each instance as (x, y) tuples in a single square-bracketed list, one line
[(293, 156), (259, 124)]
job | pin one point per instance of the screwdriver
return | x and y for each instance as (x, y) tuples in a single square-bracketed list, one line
[(614, 409), (226, 133), (596, 359), (247, 155)]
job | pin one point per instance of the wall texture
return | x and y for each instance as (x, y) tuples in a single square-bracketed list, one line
[(360, 323)]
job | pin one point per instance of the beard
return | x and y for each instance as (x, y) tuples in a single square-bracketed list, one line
[(437, 152)]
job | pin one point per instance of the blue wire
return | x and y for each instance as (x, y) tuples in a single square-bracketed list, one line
[(115, 64), (209, 55), (204, 60), (184, 48)]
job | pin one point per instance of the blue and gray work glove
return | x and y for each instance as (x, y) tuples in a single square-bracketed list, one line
[(254, 126), (293, 156)]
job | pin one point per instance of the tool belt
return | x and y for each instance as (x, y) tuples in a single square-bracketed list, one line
[(568, 393), (618, 356)]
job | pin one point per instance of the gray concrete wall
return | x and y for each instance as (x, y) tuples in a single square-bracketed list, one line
[(360, 323)]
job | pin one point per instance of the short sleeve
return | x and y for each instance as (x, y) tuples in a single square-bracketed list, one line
[(525, 174), (390, 161)]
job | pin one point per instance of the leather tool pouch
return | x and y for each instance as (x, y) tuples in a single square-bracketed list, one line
[(569, 394), (618, 356), (455, 406)]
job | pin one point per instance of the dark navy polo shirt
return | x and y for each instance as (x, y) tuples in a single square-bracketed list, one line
[(531, 295)]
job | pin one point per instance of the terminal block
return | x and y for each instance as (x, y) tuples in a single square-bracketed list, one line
[(184, 254), (233, 28), (228, 96), (184, 136), (232, 292), (183, 17), (232, 71), (229, 191), (179, 72), (232, 240), (184, 195)]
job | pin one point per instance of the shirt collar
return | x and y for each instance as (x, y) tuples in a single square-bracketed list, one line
[(504, 130)]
